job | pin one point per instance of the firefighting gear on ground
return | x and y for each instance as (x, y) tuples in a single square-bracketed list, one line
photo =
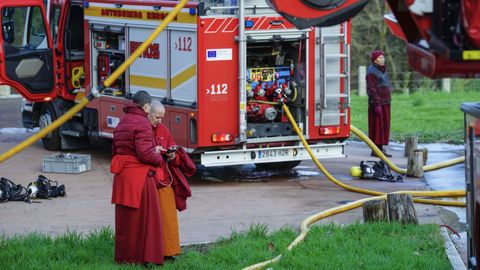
[(9, 191), (44, 188), (376, 170), (41, 188)]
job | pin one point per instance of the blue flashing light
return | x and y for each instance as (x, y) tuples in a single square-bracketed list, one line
[(86, 4), (248, 24), (192, 11)]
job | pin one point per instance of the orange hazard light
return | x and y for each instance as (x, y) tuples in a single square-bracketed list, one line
[(329, 130), (221, 137)]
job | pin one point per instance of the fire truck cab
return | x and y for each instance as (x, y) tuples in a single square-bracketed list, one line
[(223, 69)]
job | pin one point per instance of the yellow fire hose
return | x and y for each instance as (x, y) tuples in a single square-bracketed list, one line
[(304, 226), (395, 168), (83, 101)]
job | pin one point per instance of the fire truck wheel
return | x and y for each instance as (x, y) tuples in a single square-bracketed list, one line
[(52, 140), (286, 165)]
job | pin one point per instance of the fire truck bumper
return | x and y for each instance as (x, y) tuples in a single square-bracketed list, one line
[(271, 154)]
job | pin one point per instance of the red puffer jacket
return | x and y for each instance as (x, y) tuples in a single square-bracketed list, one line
[(134, 136)]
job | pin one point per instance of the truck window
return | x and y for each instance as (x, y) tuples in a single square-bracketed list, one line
[(23, 28), (224, 6), (74, 29), (54, 18), (37, 32)]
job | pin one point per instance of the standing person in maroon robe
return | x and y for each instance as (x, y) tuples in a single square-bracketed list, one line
[(136, 165), (170, 184), (379, 98)]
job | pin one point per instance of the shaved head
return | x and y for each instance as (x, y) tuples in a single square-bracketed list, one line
[(157, 112)]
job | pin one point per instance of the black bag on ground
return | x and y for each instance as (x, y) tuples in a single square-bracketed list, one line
[(10, 191), (45, 188), (378, 170)]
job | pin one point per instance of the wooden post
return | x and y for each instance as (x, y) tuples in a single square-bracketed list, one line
[(425, 155), (411, 143), (446, 85), (415, 164), (375, 210), (362, 83), (401, 208)]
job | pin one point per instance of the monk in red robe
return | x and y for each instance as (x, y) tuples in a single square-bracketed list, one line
[(166, 193), (379, 97), (136, 165)]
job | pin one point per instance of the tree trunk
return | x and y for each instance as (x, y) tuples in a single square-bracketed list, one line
[(375, 210), (401, 208)]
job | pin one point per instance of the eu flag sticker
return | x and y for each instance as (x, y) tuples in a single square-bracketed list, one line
[(211, 54), (224, 54)]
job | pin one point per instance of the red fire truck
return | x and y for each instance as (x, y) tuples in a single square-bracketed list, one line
[(222, 71)]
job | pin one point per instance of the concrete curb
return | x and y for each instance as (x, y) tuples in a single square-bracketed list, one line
[(452, 252)]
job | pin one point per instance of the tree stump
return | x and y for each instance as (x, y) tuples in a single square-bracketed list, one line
[(425, 155), (411, 143), (415, 164), (375, 210), (401, 208)]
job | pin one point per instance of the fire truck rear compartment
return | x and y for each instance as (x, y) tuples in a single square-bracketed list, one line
[(275, 76), (108, 52)]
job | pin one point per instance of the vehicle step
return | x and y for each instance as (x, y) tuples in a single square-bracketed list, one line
[(74, 133)]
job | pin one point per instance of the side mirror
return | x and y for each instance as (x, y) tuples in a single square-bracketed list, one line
[(8, 32)]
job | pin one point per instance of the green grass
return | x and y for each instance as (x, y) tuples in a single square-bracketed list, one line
[(369, 246), (357, 246), (432, 116)]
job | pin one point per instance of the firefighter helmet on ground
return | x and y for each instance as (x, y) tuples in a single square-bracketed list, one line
[(356, 171)]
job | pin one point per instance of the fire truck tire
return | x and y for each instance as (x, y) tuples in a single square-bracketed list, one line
[(286, 165), (52, 140)]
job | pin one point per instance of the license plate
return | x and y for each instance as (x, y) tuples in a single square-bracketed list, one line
[(266, 154)]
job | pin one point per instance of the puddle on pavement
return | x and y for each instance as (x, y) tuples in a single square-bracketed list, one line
[(451, 218), (245, 173)]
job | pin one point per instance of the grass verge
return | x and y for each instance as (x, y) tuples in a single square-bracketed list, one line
[(356, 246), (432, 116)]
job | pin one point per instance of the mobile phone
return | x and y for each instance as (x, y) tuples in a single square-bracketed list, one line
[(172, 149)]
